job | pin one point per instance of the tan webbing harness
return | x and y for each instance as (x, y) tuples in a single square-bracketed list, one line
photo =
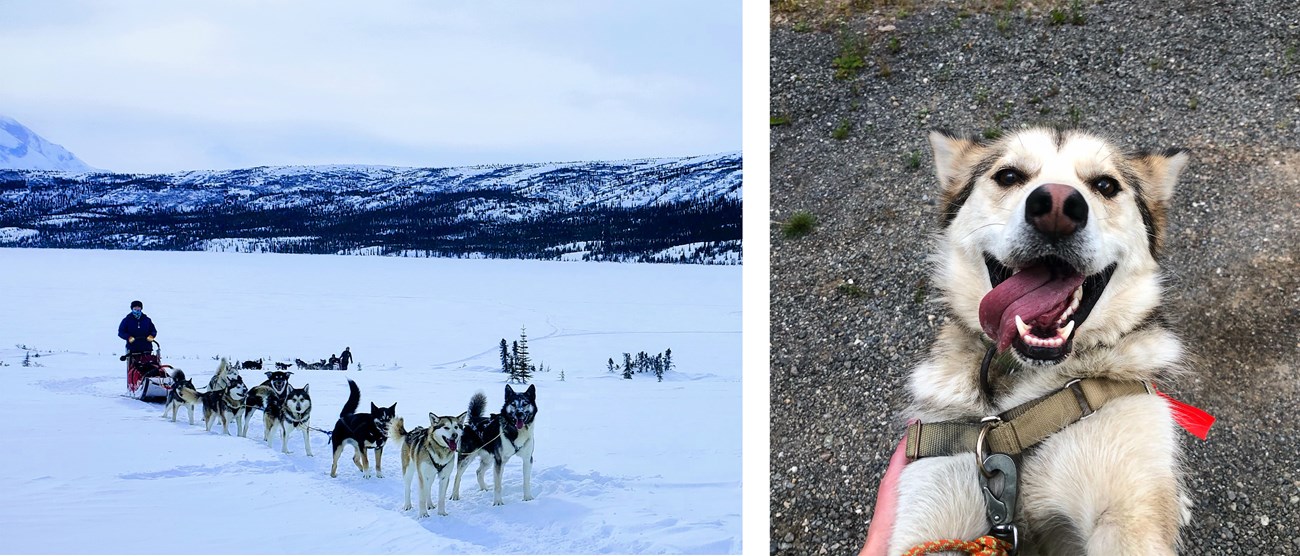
[(998, 441), (1023, 426)]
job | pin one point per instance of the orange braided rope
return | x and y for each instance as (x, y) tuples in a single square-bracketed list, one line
[(983, 546)]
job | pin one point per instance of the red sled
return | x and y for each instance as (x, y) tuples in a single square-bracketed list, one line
[(146, 376)]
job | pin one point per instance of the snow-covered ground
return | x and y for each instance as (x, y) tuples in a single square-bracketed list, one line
[(622, 466)]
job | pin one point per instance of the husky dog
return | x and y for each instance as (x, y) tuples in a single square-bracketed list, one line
[(282, 366), (291, 412), (496, 438), (273, 389), (227, 404), (225, 373), (361, 431), (1047, 255), (428, 454), (182, 393)]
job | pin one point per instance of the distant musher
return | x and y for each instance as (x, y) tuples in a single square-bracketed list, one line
[(345, 358), (137, 329)]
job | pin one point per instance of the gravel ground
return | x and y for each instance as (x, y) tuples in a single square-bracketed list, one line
[(1221, 79)]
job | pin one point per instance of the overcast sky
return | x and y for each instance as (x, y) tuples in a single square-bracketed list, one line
[(156, 86)]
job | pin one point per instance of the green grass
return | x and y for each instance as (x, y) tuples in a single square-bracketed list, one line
[(799, 224), (992, 133), (913, 161), (841, 131), (851, 59), (780, 119), (850, 289), (894, 45)]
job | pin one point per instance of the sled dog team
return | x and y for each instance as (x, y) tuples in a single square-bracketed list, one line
[(427, 452)]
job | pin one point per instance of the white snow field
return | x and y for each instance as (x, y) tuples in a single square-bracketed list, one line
[(622, 466)]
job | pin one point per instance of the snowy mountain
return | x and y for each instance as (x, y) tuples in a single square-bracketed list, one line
[(670, 209), (23, 149)]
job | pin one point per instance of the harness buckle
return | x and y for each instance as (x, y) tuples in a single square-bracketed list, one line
[(1009, 533), (1085, 408)]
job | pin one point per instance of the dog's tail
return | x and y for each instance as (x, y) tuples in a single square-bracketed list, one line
[(477, 405), (397, 430), (354, 400)]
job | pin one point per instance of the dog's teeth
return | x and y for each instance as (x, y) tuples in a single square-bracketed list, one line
[(1022, 327), (1064, 333)]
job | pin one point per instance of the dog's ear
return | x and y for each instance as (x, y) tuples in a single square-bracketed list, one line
[(1160, 172), (951, 156), (269, 373), (510, 392), (461, 417), (433, 419), (374, 409), (531, 392), (305, 387)]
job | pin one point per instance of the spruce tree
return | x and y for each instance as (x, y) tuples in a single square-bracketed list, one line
[(505, 356), (611, 364), (627, 365), (668, 359), (523, 365)]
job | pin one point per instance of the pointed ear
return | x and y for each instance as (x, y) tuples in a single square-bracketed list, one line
[(373, 408), (432, 418), (393, 408), (510, 392), (532, 392), (1162, 170), (288, 373), (305, 387), (462, 415), (950, 156), (269, 373)]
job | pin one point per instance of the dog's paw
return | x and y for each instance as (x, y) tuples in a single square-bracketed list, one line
[(407, 506), (443, 513), (455, 497), (528, 497), (498, 503)]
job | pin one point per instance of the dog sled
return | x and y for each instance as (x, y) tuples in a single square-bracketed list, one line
[(146, 376)]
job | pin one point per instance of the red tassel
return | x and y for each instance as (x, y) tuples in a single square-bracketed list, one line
[(1190, 417)]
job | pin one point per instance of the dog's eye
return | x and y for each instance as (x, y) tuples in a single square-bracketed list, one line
[(1105, 185), (1008, 177)]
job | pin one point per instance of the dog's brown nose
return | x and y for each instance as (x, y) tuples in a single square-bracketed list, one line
[(1056, 210)]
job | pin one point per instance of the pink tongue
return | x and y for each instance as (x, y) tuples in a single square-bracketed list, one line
[(1032, 293)]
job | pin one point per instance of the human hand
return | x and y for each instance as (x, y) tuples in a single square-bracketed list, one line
[(149, 338)]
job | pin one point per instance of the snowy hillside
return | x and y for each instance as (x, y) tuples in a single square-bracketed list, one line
[(622, 466), (626, 210), (22, 149)]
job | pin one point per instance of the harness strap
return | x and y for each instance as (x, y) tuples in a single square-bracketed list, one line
[(1022, 426)]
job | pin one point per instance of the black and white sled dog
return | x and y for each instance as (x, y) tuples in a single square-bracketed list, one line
[(224, 375), (428, 453), (182, 393), (498, 437), (226, 404), (289, 413), (1047, 255), (274, 389), (361, 431)]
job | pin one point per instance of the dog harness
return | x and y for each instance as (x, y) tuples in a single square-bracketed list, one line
[(998, 441)]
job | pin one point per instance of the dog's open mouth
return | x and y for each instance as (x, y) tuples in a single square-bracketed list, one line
[(1037, 308)]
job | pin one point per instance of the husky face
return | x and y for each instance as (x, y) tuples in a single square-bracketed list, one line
[(298, 402), (278, 379), (383, 416), (237, 389), (446, 431), (520, 409), (1050, 237)]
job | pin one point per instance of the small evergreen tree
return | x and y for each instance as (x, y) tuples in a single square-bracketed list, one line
[(523, 364), (505, 356), (668, 359), (627, 365), (561, 375), (612, 366), (27, 359)]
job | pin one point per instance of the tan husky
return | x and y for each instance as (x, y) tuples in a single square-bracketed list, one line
[(1040, 378), (428, 454)]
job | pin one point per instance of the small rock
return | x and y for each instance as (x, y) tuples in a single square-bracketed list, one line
[(886, 28), (789, 537)]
